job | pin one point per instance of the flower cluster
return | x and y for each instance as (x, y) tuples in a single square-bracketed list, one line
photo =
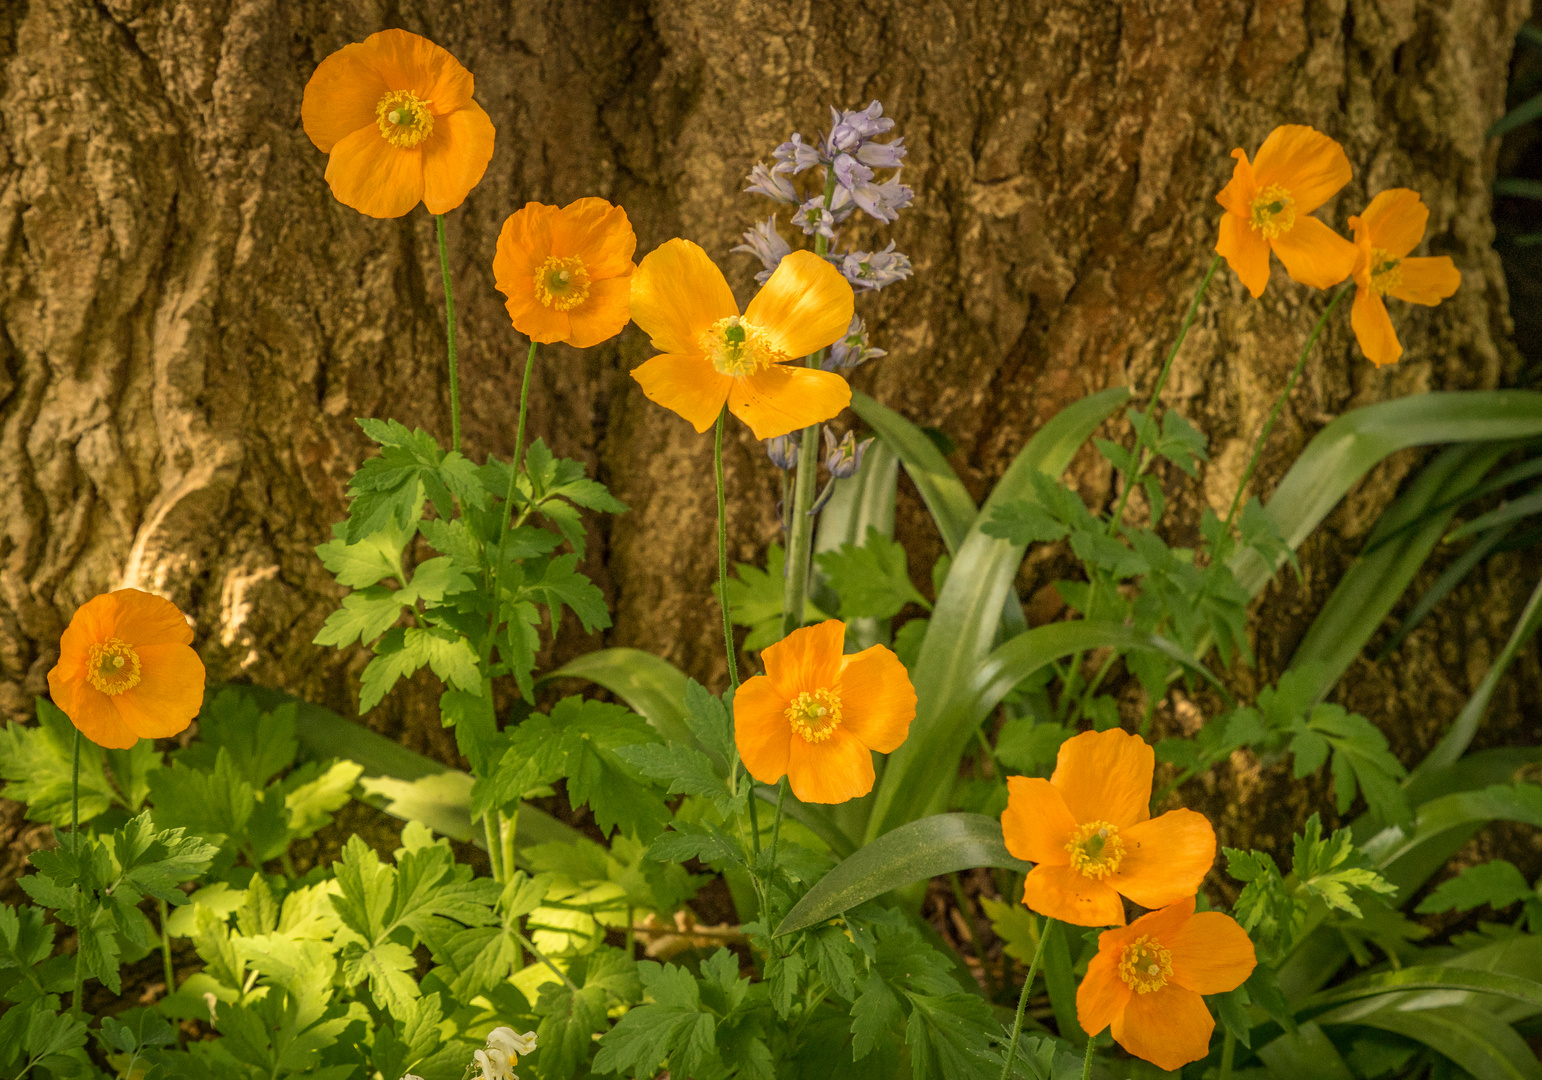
[(1269, 203), (1089, 831), (850, 155)]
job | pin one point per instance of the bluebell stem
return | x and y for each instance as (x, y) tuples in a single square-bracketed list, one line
[(873, 269), (852, 349), (783, 450), (766, 244)]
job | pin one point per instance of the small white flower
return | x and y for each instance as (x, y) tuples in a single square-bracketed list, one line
[(412, 1076), (510, 1042), (213, 1002)]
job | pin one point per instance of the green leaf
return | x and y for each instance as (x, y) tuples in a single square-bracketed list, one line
[(1023, 522), (260, 744), (944, 494), (1394, 986), (370, 561), (672, 1028), (650, 685), (873, 580), (207, 804), (948, 1038), (449, 655), (964, 624), (858, 503), (913, 852), (922, 776), (364, 616), (1349, 447), (312, 796), (1305, 1052), (561, 583), (1496, 883), (1481, 1044), (37, 764), (1367, 592)]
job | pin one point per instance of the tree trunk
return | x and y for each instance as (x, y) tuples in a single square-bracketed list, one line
[(189, 322)]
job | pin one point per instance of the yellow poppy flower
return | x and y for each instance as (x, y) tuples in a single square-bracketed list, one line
[(1268, 207), (1147, 980), (713, 354), (127, 670), (815, 716), (567, 273), (1089, 830), (1392, 226), (394, 113)]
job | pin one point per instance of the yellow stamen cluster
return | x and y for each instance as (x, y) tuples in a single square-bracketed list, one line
[(1096, 850), (404, 119), (1273, 212), (738, 348), (1145, 966), (113, 666), (815, 715), (562, 283), (1386, 271)]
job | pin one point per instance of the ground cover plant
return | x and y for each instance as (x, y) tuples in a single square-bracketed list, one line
[(890, 739)]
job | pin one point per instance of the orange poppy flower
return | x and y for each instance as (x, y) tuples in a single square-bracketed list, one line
[(1147, 979), (567, 273), (1089, 830), (396, 117), (712, 354), (1384, 235), (127, 670), (815, 715), (1268, 204)]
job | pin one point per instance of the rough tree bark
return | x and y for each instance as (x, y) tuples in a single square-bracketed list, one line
[(189, 322)]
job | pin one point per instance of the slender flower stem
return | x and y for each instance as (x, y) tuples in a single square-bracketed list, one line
[(722, 552), (80, 971), (1279, 402), (1022, 1001), (1228, 1054), (800, 533), (449, 320), (776, 825), (171, 972), (494, 845), (543, 958), (508, 504), (1087, 1060), (1156, 392)]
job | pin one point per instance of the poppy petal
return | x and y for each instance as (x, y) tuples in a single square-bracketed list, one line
[(783, 398), (168, 695), (1071, 896), (677, 294), (93, 712), (1237, 195), (1211, 954), (408, 61), (761, 730), (1314, 254), (534, 319), (1103, 994), (604, 314), (1305, 162), (373, 177), (142, 618), (1106, 776), (1428, 281), (684, 384), (455, 156), (524, 243), (341, 97), (833, 771), (598, 233), (804, 306), (877, 700), (1165, 858), (1373, 328), (1169, 1027), (1394, 221), (807, 659), (1036, 824), (1245, 251)]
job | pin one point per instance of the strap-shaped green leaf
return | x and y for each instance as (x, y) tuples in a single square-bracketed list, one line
[(913, 852)]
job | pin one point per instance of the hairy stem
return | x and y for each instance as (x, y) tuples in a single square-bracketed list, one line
[(449, 320), (1022, 1001)]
